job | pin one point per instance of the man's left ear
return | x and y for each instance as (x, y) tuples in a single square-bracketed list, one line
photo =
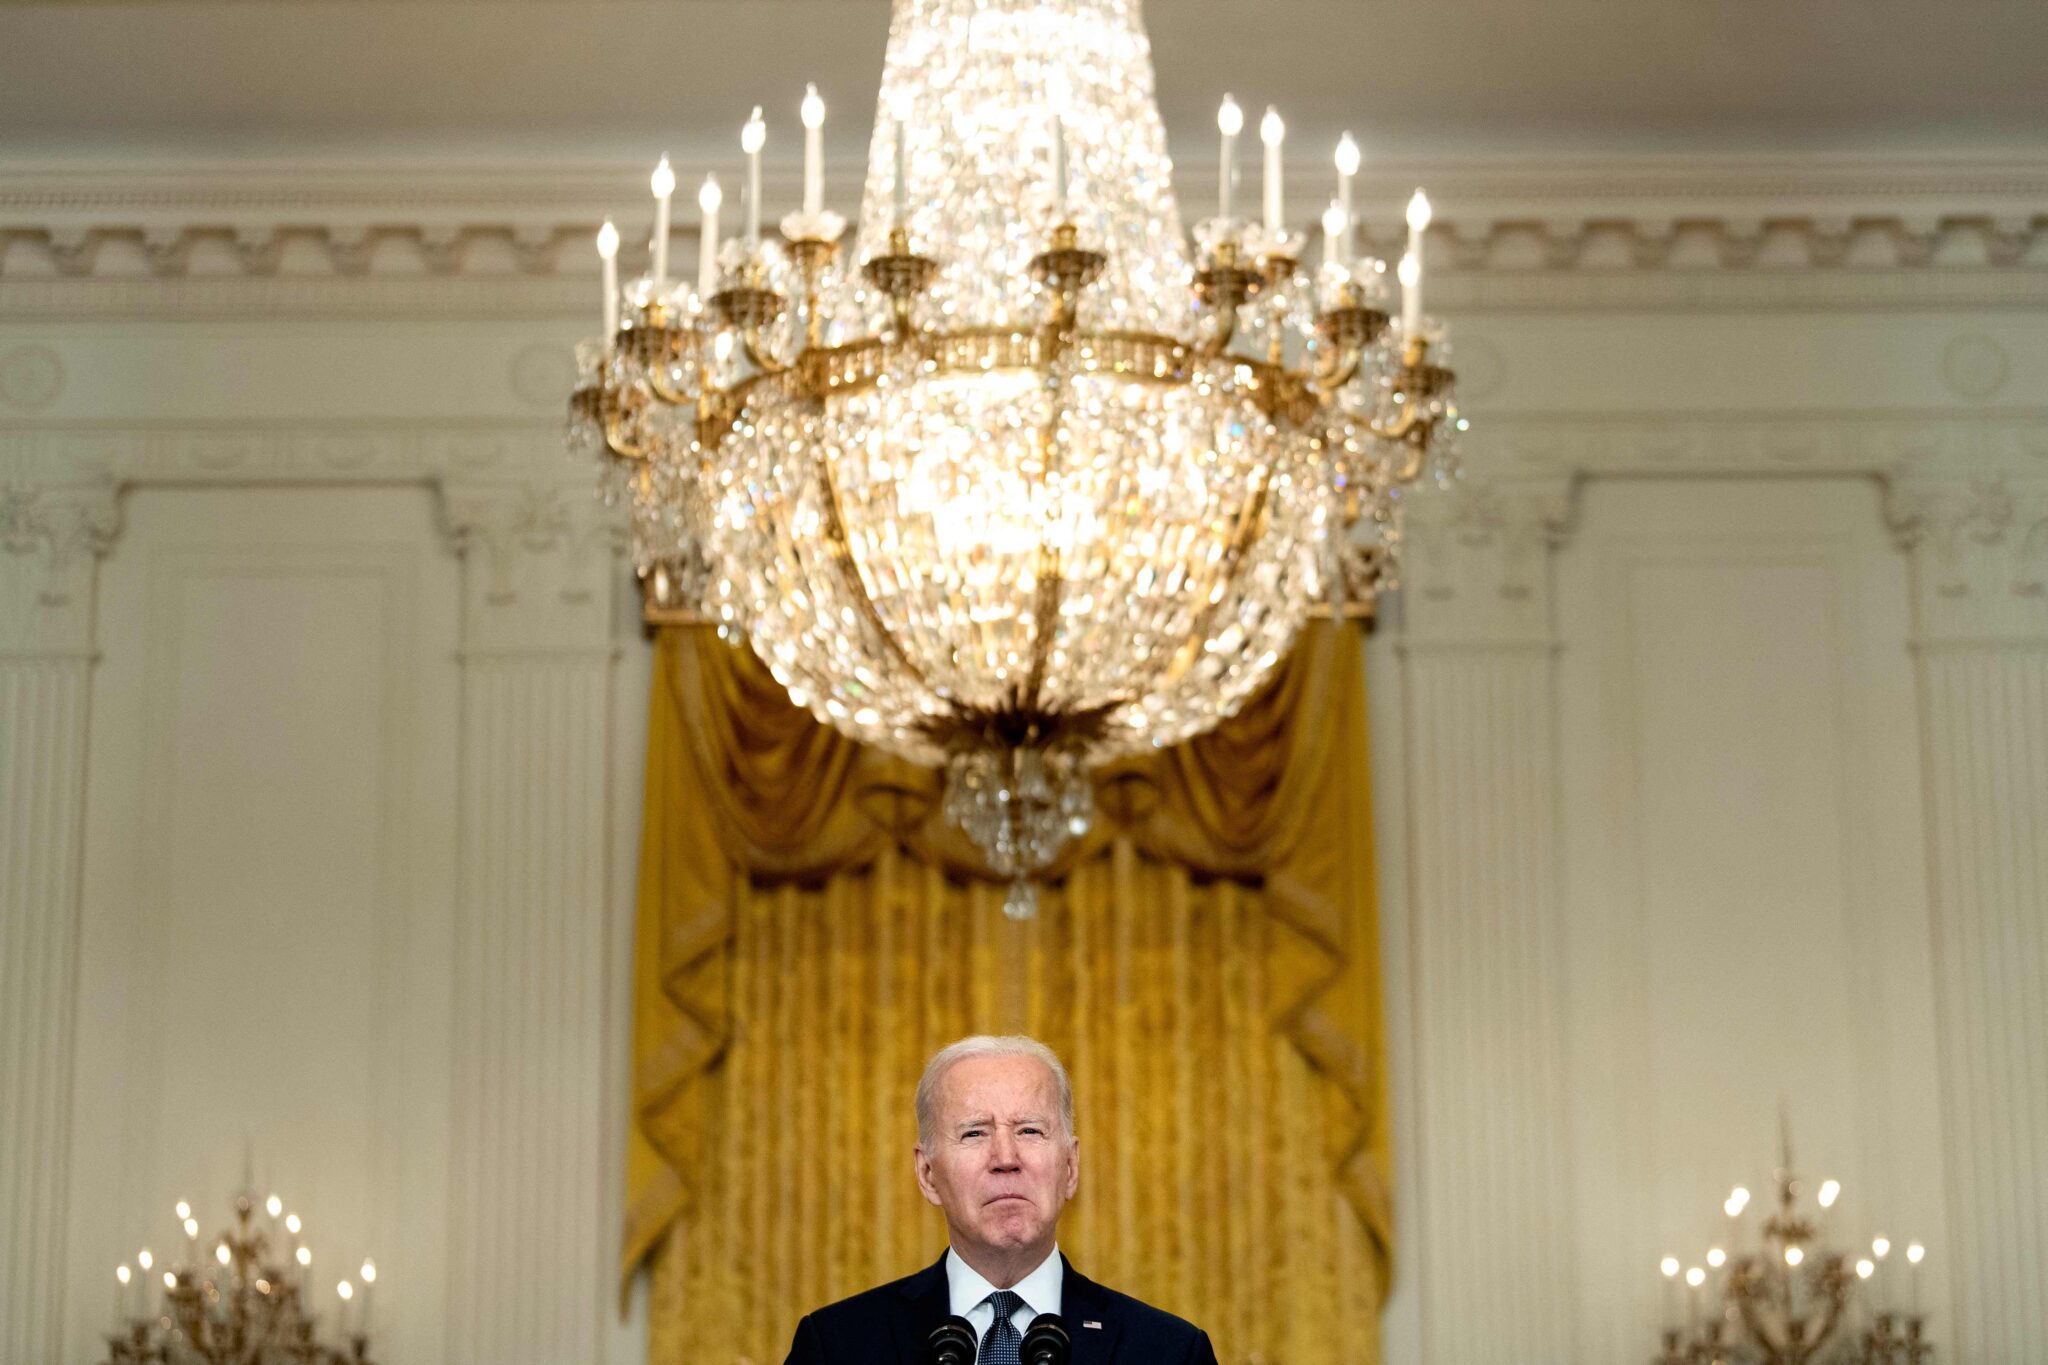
[(1073, 1167)]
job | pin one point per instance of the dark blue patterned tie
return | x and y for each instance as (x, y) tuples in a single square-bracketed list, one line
[(1000, 1344)]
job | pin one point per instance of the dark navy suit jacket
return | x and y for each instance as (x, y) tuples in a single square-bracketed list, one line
[(889, 1325)]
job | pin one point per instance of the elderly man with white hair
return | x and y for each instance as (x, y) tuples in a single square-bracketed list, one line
[(996, 1149)]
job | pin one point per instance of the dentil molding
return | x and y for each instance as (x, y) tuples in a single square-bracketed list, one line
[(1686, 231)]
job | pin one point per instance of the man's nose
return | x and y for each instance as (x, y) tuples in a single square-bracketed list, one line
[(1002, 1152)]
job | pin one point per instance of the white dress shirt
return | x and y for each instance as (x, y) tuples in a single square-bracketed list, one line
[(1040, 1291)]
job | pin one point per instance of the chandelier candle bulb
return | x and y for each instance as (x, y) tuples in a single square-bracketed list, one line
[(664, 185), (1229, 122), (708, 199), (608, 259), (1335, 222), (1347, 168), (813, 112), (753, 137), (123, 1294), (369, 1276), (1411, 292), (1273, 132)]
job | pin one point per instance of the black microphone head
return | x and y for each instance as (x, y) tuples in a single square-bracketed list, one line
[(951, 1342), (1046, 1341)]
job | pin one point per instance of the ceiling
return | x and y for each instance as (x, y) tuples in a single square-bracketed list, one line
[(503, 81)]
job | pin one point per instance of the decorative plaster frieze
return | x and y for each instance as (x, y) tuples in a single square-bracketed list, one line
[(264, 452), (1839, 442), (51, 539), (1980, 555), (540, 565)]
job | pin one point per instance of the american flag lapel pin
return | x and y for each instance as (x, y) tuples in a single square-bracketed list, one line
[(1096, 1325)]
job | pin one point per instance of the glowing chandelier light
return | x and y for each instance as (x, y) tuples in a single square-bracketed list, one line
[(1034, 481)]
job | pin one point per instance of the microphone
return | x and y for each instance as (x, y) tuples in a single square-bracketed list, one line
[(1046, 1341), (951, 1343)]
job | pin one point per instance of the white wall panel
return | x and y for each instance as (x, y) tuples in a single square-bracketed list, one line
[(1746, 901), (267, 920)]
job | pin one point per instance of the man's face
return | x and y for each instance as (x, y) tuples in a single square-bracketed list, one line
[(998, 1162)]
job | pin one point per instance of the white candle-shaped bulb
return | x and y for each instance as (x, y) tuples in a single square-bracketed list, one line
[(346, 1290), (1696, 1277), (1273, 132), (1865, 1268), (292, 1224), (1916, 1253), (1347, 168), (123, 1274), (709, 197), (664, 184), (608, 262), (1229, 122), (1335, 225), (1717, 1258), (1410, 273), (222, 1254), (1669, 1267), (1830, 1191), (813, 112), (1794, 1255), (170, 1280), (191, 1229), (1418, 219), (899, 186), (369, 1272), (305, 1256), (145, 1260), (184, 1210), (1880, 1246), (273, 1205), (753, 137)]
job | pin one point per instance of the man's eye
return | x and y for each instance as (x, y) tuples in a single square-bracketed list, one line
[(970, 1133)]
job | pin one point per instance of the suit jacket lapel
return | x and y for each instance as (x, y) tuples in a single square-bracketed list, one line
[(927, 1301), (1082, 1302)]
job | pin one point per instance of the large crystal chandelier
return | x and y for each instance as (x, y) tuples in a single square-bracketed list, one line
[(1029, 479)]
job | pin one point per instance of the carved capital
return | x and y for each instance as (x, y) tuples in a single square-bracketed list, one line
[(1979, 545), (51, 539), (541, 562), (1476, 561)]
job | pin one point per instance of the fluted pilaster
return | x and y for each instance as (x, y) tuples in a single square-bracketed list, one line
[(50, 542), (1980, 552), (530, 1266), (1492, 1221)]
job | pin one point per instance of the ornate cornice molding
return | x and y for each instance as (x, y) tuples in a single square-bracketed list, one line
[(1682, 232)]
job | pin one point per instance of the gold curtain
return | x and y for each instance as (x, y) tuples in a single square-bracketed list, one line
[(810, 930)]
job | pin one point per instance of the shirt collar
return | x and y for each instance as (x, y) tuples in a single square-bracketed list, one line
[(1040, 1290)]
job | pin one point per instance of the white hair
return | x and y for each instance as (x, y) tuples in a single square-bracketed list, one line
[(986, 1045)]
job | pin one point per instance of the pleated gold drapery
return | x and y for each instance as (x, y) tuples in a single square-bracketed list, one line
[(811, 930)]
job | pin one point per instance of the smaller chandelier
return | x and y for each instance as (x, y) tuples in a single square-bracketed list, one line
[(1042, 481), (243, 1297), (1788, 1298)]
